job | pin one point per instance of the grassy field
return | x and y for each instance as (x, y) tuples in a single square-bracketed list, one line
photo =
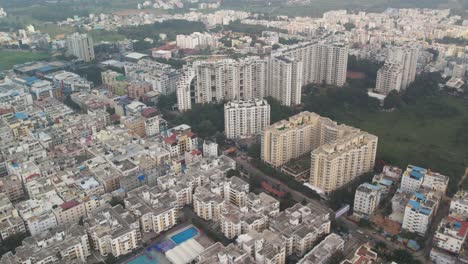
[(418, 135), (104, 35), (9, 58)]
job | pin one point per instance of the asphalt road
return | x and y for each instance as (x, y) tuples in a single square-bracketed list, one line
[(297, 196)]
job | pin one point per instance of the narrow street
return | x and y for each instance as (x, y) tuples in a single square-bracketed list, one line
[(368, 235), (297, 196)]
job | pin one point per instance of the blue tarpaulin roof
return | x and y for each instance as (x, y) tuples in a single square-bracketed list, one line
[(21, 115), (413, 245)]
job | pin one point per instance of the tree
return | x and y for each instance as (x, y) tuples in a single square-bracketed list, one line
[(403, 256), (206, 120), (336, 258), (425, 85), (348, 26), (254, 151), (393, 100), (206, 129), (70, 103), (279, 112), (12, 242), (111, 259), (165, 102), (275, 46), (115, 200), (141, 45), (232, 173)]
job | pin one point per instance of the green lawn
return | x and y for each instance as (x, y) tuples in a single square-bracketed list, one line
[(104, 35), (418, 135), (9, 58)]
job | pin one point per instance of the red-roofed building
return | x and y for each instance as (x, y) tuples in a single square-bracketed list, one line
[(363, 255), (193, 156), (451, 234), (69, 212), (180, 140), (149, 112)]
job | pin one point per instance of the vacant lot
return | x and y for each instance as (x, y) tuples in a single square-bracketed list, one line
[(431, 133), (8, 58)]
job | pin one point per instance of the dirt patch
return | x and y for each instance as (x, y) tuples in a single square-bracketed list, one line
[(386, 224)]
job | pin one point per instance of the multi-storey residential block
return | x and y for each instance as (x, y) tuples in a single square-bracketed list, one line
[(459, 204), (363, 254), (37, 214), (113, 230), (179, 140), (12, 187), (81, 46), (162, 77), (196, 40), (136, 125), (221, 80), (70, 212), (451, 235), (419, 212), (332, 146), (114, 82), (300, 226), (206, 204), (69, 82), (322, 62), (246, 118), (210, 149), (366, 200), (154, 125), (407, 57), (230, 221), (416, 177), (389, 78), (266, 246), (137, 90), (336, 164), (285, 80), (217, 253), (69, 244), (322, 253), (235, 191), (10, 221), (157, 210)]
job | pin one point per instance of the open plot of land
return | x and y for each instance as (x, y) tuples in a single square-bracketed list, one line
[(8, 58), (423, 134), (104, 35)]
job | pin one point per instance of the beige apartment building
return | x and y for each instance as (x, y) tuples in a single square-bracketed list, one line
[(339, 152), (334, 165)]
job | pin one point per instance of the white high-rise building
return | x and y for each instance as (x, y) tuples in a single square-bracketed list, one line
[(81, 46), (184, 89), (322, 62), (196, 40), (389, 78), (285, 80), (221, 80), (407, 57), (246, 118), (366, 200)]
